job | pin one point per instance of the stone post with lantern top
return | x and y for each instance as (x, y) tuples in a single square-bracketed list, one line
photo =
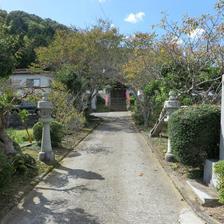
[(45, 107), (171, 105)]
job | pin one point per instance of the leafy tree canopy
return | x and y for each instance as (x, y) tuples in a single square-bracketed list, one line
[(29, 32)]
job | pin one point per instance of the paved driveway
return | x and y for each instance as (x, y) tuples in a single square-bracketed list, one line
[(112, 179)]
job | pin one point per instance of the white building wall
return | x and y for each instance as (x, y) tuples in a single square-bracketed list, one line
[(41, 82)]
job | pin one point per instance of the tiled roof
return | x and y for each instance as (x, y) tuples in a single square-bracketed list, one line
[(29, 72)]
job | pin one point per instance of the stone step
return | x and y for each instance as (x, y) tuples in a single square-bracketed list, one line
[(207, 196)]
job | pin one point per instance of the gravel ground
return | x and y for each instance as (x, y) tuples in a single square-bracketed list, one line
[(112, 178)]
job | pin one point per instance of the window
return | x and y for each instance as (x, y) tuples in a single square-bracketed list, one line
[(30, 83)]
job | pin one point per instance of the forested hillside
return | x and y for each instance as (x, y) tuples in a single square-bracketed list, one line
[(20, 34)]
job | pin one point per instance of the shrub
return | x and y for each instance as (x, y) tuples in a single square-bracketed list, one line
[(64, 110), (219, 170), (21, 163), (194, 134), (74, 122), (6, 170), (132, 100), (151, 103), (56, 130), (100, 107), (138, 116), (100, 100)]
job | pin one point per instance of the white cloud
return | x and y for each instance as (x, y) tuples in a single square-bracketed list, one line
[(135, 17), (197, 33), (102, 1)]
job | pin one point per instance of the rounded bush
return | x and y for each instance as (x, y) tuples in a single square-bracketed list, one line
[(56, 130), (194, 134)]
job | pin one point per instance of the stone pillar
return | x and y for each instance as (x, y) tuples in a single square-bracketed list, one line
[(94, 101), (221, 148), (107, 96), (171, 105), (45, 107), (210, 177), (127, 99)]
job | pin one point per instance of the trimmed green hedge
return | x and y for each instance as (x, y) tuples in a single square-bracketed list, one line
[(194, 134), (219, 169), (56, 129)]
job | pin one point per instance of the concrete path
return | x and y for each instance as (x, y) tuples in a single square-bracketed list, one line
[(112, 179)]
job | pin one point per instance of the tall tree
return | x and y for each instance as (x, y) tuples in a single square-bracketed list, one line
[(7, 53), (144, 65), (30, 32), (195, 48), (83, 59)]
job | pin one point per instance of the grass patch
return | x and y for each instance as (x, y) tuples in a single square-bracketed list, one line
[(19, 136)]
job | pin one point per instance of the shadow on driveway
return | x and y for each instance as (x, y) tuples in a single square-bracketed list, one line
[(41, 211), (60, 176)]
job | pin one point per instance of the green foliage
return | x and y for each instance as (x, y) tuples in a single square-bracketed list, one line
[(137, 114), (6, 169), (132, 101), (75, 83), (21, 163), (100, 107), (64, 110), (37, 132), (20, 34), (7, 58), (7, 44), (23, 114), (5, 101), (194, 134), (219, 169), (18, 164), (138, 117), (100, 100), (155, 94), (147, 110), (19, 136), (84, 60), (56, 130), (70, 78)]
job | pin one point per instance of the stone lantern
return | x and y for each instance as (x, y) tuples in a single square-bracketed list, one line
[(45, 107), (171, 105)]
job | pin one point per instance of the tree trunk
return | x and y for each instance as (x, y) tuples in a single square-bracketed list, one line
[(6, 144)]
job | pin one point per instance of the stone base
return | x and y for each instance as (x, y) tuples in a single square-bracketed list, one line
[(207, 196), (47, 157), (169, 157), (210, 177)]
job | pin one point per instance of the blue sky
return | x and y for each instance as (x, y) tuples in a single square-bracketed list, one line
[(129, 15)]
